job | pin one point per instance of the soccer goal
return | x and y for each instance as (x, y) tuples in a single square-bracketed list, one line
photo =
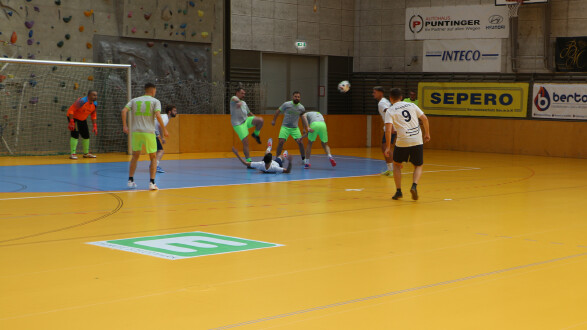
[(35, 96)]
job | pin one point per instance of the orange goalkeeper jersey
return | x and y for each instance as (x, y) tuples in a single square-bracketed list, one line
[(81, 108)]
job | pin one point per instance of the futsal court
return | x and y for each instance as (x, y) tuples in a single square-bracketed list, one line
[(495, 242)]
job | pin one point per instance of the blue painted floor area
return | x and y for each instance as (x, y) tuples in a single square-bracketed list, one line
[(188, 173)]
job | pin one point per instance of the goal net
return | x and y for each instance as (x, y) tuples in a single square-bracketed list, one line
[(35, 97)]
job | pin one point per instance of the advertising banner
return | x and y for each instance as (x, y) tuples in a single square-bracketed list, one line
[(571, 54), (559, 101), (474, 99), (467, 55), (457, 22)]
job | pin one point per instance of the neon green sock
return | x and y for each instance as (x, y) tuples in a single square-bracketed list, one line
[(73, 145), (86, 145), (257, 131), (249, 160)]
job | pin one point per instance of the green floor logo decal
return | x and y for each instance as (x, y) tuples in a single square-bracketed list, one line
[(184, 245)]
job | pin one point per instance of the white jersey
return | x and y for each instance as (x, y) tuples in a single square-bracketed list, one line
[(274, 168), (404, 118), (165, 118), (383, 104)]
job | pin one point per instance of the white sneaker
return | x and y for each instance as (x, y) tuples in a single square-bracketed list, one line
[(285, 154), (132, 184), (153, 186), (73, 156), (269, 144)]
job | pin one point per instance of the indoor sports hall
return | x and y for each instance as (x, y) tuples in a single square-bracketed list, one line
[(495, 237)]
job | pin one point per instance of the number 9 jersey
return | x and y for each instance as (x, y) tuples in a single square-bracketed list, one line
[(404, 118)]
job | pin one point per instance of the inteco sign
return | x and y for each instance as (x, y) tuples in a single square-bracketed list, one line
[(458, 22)]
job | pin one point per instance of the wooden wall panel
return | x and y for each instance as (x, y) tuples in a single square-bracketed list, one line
[(205, 133)]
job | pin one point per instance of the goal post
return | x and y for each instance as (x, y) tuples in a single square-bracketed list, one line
[(35, 96)]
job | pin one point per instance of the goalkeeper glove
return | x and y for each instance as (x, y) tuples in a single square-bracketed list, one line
[(71, 125), (95, 130)]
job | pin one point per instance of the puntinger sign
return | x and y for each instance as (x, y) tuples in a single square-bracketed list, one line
[(457, 22)]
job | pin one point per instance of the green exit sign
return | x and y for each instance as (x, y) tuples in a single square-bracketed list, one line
[(301, 44)]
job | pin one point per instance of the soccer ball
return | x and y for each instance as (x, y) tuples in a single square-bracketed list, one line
[(344, 86)]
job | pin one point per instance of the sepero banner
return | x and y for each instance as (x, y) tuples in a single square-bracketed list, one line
[(468, 55), (457, 22), (559, 101), (474, 99)]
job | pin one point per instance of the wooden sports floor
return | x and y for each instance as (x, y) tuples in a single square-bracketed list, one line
[(495, 242)]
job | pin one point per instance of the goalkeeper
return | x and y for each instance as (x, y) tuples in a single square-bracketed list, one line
[(77, 115)]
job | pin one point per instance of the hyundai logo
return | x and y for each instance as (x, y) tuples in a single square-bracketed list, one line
[(495, 19)]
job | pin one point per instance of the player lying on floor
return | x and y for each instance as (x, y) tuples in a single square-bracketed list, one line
[(268, 165)]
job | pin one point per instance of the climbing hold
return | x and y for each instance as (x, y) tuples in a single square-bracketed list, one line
[(67, 19), (54, 68), (34, 100), (81, 28), (68, 59), (165, 44), (2, 77), (89, 45), (165, 26), (129, 14), (31, 56), (183, 33), (204, 34), (10, 13), (214, 53), (36, 9), (38, 42), (88, 13), (183, 26), (171, 26), (56, 99), (30, 42), (150, 44), (60, 44), (30, 33), (166, 14), (146, 31), (193, 34), (58, 2), (179, 11), (63, 107), (13, 38), (196, 59), (75, 86), (62, 84), (29, 24), (147, 16), (67, 36), (192, 4), (91, 78), (200, 13), (133, 30)]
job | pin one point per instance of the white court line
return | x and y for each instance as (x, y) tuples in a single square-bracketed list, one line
[(217, 185)]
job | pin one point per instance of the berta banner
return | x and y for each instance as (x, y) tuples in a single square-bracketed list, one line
[(457, 22), (467, 55), (559, 101)]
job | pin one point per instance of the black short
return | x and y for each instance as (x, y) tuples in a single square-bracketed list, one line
[(393, 136), (413, 154), (279, 161), (81, 128), (159, 145)]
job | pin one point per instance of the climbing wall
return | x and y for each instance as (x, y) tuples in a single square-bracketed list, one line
[(66, 30), (169, 20)]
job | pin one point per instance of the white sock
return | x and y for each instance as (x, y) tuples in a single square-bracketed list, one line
[(329, 156), (268, 150), (157, 163), (307, 161), (390, 167)]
